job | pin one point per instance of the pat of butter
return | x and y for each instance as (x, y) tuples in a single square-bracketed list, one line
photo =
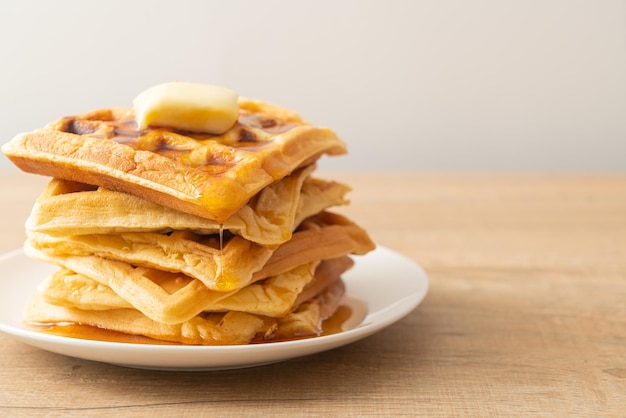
[(189, 106)]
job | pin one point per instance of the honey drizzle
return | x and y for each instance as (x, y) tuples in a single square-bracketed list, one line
[(93, 333), (332, 325), (221, 270), (221, 241)]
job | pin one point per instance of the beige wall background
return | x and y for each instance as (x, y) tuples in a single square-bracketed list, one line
[(477, 85)]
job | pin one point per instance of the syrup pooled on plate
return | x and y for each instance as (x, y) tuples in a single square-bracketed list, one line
[(332, 325), (88, 332)]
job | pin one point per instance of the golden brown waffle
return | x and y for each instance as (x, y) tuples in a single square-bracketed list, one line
[(69, 208), (236, 264), (232, 327), (205, 175), (275, 296)]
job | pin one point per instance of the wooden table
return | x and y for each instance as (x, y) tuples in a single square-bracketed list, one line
[(526, 314)]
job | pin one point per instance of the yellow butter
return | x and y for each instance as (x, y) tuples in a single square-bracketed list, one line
[(189, 106)]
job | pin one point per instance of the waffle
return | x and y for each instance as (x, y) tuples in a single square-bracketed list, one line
[(68, 208), (225, 328), (231, 266), (211, 176), (273, 297)]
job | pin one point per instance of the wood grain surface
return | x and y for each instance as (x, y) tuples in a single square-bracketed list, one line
[(525, 316)]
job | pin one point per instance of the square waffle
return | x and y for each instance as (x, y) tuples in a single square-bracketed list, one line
[(211, 176), (275, 296), (230, 266), (68, 208), (219, 328)]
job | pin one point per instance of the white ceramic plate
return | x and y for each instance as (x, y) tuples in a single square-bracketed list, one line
[(382, 288)]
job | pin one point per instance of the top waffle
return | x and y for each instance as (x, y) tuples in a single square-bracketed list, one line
[(211, 176)]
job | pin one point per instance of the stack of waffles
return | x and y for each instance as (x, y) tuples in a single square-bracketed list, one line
[(187, 237)]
